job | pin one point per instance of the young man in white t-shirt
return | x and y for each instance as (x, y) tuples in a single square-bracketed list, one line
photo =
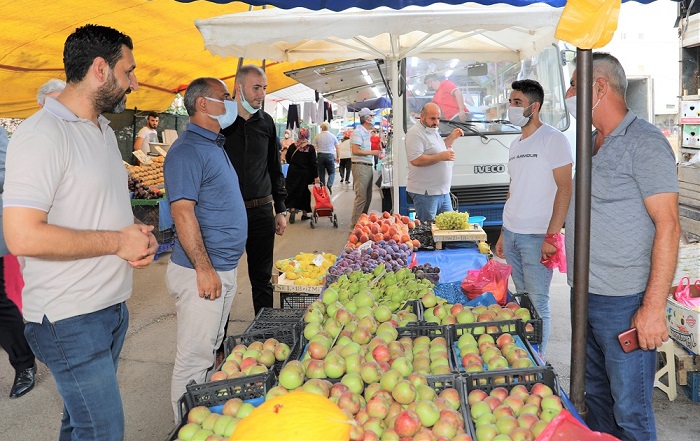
[(148, 133), (539, 165)]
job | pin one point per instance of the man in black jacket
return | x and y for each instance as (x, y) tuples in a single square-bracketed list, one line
[(253, 148)]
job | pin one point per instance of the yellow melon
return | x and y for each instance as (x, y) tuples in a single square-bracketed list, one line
[(297, 415)]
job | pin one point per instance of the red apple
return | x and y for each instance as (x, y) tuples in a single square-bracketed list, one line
[(407, 423)]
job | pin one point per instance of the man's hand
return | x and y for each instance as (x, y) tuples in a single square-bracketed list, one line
[(280, 224), (499, 247), (152, 247), (548, 250), (208, 283), (651, 326), (456, 133), (135, 243), (448, 155)]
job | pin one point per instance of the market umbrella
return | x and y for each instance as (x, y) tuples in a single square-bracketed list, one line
[(168, 48)]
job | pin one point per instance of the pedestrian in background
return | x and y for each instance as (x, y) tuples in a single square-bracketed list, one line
[(327, 155), (345, 155), (362, 164), (303, 171)]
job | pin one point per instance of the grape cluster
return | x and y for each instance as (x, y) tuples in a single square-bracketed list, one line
[(392, 254), (452, 220), (427, 271), (424, 235), (140, 190)]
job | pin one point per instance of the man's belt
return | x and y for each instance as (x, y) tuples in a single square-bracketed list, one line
[(252, 203), (362, 163)]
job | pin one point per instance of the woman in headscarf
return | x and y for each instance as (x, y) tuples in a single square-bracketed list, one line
[(303, 171), (285, 142)]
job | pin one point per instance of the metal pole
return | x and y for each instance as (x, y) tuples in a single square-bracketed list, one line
[(582, 239)]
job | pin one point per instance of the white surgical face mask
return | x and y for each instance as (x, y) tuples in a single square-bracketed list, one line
[(286, 135), (229, 116), (246, 105), (517, 117), (432, 130)]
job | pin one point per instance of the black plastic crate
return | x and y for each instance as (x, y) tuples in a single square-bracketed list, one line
[(415, 306), (432, 331), (218, 393), (495, 329), (289, 300), (534, 336), (441, 382), (280, 315), (508, 380), (289, 333)]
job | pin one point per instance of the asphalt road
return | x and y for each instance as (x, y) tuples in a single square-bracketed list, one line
[(147, 359)]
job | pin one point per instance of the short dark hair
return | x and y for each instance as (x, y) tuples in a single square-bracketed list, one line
[(197, 88), (531, 89), (153, 115), (243, 72), (89, 42)]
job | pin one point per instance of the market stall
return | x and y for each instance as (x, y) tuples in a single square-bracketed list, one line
[(373, 320)]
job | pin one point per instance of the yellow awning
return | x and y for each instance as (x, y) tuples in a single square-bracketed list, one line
[(169, 49)]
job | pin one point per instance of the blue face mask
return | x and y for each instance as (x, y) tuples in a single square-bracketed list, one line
[(246, 105), (227, 118)]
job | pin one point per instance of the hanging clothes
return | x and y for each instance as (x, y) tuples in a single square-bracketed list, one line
[(321, 112), (293, 116), (309, 112), (328, 112)]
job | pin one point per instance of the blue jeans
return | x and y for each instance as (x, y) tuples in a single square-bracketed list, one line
[(82, 353), (523, 253), (428, 206), (326, 164), (619, 385)]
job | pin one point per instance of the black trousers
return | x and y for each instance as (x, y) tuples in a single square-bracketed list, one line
[(259, 249), (345, 169), (12, 329)]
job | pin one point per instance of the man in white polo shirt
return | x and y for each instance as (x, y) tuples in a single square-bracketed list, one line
[(430, 160), (67, 211), (362, 164), (327, 154)]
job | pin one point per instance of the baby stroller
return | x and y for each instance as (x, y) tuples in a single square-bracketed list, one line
[(323, 207)]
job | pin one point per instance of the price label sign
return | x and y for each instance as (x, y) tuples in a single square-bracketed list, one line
[(318, 260)]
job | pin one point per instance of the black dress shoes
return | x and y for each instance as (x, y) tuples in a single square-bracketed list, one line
[(24, 382)]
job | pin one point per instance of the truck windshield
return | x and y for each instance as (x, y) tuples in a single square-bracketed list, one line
[(473, 94)]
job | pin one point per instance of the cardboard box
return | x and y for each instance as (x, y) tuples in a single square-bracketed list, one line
[(683, 322), (285, 285)]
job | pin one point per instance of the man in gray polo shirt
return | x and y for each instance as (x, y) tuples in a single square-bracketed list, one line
[(67, 211), (362, 164), (634, 245), (430, 161), (327, 154)]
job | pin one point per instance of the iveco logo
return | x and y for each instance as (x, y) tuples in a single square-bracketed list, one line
[(497, 168)]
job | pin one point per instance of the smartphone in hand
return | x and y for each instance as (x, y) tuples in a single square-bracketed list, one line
[(628, 340)]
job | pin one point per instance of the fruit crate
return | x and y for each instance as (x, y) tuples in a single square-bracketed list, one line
[(297, 300), (432, 331), (261, 326), (416, 306), (495, 329), (692, 389), (275, 317), (535, 335), (148, 212), (441, 382), (289, 334), (508, 380), (252, 389)]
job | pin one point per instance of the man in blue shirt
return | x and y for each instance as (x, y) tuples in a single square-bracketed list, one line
[(204, 195)]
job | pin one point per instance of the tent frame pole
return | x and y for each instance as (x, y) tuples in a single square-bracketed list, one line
[(582, 239)]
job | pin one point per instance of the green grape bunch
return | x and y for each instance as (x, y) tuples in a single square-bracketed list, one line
[(452, 220)]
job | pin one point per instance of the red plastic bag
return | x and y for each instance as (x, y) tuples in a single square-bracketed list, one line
[(566, 427), (492, 277), (683, 294), (558, 259)]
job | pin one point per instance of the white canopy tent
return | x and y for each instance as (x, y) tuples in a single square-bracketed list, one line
[(488, 33)]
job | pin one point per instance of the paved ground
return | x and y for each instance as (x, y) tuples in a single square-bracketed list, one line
[(147, 359)]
